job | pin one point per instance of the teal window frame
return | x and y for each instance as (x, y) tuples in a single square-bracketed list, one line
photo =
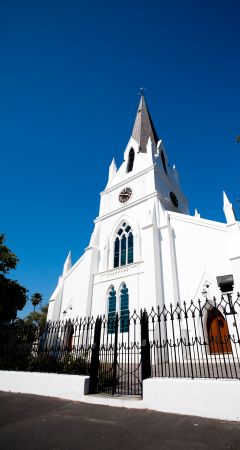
[(124, 309), (123, 246), (112, 310)]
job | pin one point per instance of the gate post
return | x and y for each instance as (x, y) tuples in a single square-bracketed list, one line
[(115, 356), (145, 347), (95, 357)]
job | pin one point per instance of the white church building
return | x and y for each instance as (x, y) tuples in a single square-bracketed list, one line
[(146, 250)]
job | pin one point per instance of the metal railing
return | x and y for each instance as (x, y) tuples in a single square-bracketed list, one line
[(60, 347), (200, 339)]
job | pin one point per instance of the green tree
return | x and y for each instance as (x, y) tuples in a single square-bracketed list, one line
[(37, 317), (13, 296), (36, 299), (238, 139)]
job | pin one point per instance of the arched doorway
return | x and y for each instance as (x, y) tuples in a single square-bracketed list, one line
[(68, 336), (218, 333)]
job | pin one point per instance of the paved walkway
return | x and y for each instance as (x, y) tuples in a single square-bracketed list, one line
[(34, 422)]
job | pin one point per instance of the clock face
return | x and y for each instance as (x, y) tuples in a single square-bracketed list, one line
[(125, 195)]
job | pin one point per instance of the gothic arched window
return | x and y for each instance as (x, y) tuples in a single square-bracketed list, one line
[(163, 162), (130, 160), (124, 309), (123, 246), (111, 310)]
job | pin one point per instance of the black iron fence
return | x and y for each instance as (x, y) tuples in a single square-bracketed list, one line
[(200, 339), (58, 347)]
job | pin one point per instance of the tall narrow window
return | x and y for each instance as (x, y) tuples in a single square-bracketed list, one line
[(123, 246), (123, 250), (116, 252), (111, 311), (124, 309), (130, 248), (130, 160), (163, 162)]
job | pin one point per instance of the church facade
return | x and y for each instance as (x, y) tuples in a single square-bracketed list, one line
[(146, 250)]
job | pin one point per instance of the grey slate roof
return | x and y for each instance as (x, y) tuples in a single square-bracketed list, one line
[(143, 127)]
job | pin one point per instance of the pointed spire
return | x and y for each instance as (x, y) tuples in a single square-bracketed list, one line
[(228, 210), (143, 127), (68, 263), (112, 171)]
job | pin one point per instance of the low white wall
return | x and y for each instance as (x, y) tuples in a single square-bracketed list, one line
[(71, 387), (218, 399)]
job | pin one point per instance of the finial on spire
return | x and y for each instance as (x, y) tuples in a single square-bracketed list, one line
[(143, 126), (142, 90)]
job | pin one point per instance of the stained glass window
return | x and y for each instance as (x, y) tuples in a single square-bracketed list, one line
[(116, 252), (130, 248), (123, 250), (123, 246), (111, 311), (124, 310)]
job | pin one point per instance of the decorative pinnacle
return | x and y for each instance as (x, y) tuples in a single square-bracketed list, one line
[(142, 90)]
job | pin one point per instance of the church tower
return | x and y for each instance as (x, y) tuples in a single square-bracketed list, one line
[(145, 163), (124, 255)]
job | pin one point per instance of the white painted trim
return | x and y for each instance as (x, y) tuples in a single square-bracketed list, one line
[(125, 207), (127, 180), (197, 221)]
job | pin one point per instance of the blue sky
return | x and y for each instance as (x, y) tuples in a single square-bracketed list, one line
[(70, 73)]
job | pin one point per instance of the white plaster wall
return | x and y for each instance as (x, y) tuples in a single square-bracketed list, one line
[(69, 387), (218, 399), (200, 246), (72, 387), (141, 186), (77, 288)]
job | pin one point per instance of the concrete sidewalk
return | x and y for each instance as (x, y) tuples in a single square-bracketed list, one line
[(34, 422)]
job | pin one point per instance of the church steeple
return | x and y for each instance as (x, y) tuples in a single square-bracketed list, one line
[(143, 127)]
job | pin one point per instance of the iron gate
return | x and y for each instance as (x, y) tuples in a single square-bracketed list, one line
[(120, 355)]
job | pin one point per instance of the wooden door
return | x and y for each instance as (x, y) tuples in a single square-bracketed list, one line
[(218, 334)]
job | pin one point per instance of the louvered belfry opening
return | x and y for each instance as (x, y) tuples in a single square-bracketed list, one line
[(130, 160)]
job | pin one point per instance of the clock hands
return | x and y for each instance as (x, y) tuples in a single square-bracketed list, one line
[(125, 195)]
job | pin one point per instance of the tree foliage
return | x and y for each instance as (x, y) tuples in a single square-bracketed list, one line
[(8, 260), (13, 296), (36, 300), (37, 317)]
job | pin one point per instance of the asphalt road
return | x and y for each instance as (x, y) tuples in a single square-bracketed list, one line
[(34, 422)]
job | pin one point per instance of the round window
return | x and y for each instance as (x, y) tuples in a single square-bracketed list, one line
[(174, 199)]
